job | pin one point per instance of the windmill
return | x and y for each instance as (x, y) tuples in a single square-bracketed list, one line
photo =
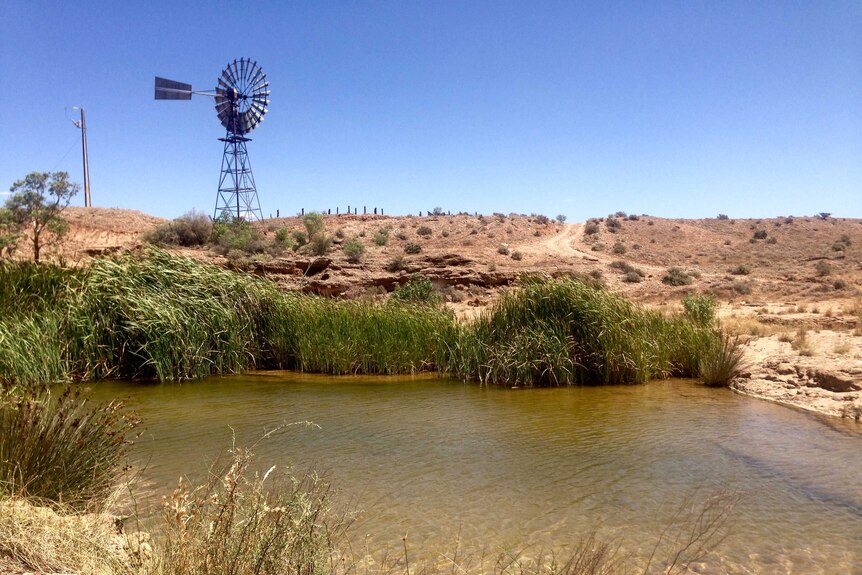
[(241, 100)]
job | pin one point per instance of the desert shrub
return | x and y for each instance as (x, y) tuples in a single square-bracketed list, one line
[(284, 239), (418, 290), (402, 236), (438, 211), (59, 448), (503, 250), (354, 249), (700, 308), (561, 219), (723, 217), (676, 277), (314, 224), (801, 343), (396, 264), (845, 239), (381, 238), (412, 248), (339, 233), (191, 229), (632, 278), (613, 224), (772, 240), (598, 247), (721, 362), (492, 267), (517, 256), (619, 248), (839, 247), (760, 235), (626, 268), (542, 220), (445, 233), (591, 228), (741, 270), (742, 287), (237, 235), (839, 284), (299, 238), (822, 268), (320, 244), (424, 231), (621, 215)]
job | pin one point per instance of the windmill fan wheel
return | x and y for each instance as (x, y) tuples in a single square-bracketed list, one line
[(242, 96)]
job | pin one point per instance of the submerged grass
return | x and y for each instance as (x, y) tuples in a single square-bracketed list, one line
[(160, 316)]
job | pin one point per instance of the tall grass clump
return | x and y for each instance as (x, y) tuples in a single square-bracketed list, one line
[(565, 332), (167, 317), (721, 362), (60, 448), (33, 301)]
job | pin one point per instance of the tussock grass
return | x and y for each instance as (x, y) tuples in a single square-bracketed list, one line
[(722, 362)]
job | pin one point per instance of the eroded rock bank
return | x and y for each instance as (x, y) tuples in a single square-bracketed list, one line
[(829, 383)]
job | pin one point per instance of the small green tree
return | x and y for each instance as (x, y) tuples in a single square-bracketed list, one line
[(36, 207)]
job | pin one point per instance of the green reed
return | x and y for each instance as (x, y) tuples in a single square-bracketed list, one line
[(566, 332), (166, 317), (342, 337)]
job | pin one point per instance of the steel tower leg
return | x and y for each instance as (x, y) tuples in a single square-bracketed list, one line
[(237, 194)]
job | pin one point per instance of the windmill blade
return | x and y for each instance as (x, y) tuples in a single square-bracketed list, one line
[(171, 90), (228, 74), (258, 75), (235, 73), (244, 64)]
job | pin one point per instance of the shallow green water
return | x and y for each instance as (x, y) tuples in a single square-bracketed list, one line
[(535, 468)]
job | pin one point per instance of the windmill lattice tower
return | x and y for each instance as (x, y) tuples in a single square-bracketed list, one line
[(241, 100)]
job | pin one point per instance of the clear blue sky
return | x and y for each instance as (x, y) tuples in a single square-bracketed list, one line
[(676, 109)]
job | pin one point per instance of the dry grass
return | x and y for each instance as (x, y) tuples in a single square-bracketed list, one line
[(47, 538), (802, 344), (244, 523)]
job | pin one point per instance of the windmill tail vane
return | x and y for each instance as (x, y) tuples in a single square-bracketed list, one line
[(241, 99)]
